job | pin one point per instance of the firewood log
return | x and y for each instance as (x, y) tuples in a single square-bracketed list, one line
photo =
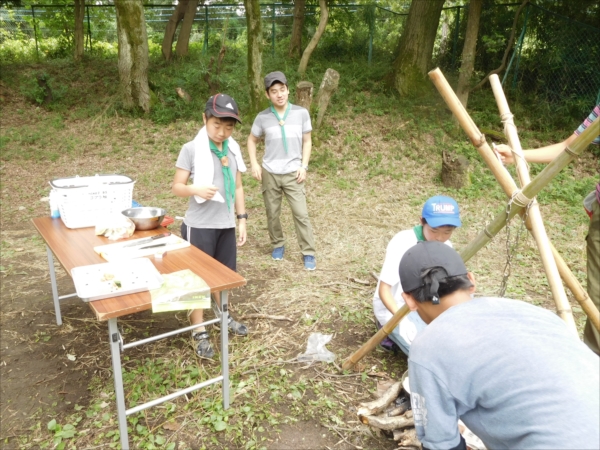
[(376, 406), (407, 439), (388, 423)]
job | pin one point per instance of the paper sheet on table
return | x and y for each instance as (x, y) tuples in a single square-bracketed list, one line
[(181, 290)]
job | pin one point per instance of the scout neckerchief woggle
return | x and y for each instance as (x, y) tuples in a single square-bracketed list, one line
[(282, 123), (228, 180)]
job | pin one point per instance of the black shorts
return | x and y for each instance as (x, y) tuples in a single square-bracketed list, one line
[(218, 243)]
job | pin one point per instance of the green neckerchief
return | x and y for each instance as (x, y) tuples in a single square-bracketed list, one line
[(228, 179), (419, 233), (282, 123)]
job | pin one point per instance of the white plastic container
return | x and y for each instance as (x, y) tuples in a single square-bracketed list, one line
[(83, 200)]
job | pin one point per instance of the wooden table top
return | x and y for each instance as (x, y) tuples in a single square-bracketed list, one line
[(75, 247)]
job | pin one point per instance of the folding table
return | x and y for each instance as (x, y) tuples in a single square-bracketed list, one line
[(74, 247)]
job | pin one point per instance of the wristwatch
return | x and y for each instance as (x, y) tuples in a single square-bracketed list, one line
[(305, 168), (242, 216)]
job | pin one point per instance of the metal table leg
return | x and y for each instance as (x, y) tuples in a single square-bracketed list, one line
[(114, 338), (54, 286), (225, 348)]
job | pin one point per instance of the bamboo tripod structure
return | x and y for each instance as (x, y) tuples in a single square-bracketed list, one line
[(520, 199)]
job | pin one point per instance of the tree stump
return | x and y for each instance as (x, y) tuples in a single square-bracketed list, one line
[(304, 94), (42, 81), (455, 170), (326, 90)]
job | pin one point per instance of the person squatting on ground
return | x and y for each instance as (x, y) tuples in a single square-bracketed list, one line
[(512, 372), (213, 160), (591, 204), (439, 218), (287, 132)]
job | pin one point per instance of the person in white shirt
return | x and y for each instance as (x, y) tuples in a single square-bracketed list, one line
[(439, 218)]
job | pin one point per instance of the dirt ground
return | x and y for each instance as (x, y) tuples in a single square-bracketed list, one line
[(51, 372)]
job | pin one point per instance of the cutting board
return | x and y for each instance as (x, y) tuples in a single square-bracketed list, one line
[(118, 251), (98, 281)]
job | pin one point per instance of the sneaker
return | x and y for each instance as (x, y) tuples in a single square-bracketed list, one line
[(277, 253), (310, 263), (204, 348), (237, 328)]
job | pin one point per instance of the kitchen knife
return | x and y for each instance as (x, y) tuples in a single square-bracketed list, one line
[(152, 246), (145, 241)]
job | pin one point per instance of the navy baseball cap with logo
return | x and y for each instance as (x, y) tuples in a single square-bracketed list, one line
[(441, 210), (222, 105)]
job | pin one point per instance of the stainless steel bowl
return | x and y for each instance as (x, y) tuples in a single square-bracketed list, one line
[(145, 217)]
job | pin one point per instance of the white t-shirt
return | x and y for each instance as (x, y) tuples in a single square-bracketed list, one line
[(394, 252)]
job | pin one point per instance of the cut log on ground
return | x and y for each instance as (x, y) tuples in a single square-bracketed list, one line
[(388, 423), (455, 170), (304, 94), (326, 90), (376, 406)]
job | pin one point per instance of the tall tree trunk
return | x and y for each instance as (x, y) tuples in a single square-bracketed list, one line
[(183, 41), (178, 14), (254, 25), (133, 54), (79, 15), (296, 41), (468, 53), (315, 39), (416, 45)]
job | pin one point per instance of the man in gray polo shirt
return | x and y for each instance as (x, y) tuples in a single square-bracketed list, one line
[(286, 129)]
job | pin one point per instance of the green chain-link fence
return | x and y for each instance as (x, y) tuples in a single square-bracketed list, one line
[(554, 59)]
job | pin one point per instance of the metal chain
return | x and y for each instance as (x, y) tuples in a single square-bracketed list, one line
[(510, 251)]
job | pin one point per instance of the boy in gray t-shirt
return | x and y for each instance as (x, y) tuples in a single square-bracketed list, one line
[(512, 372), (286, 129), (213, 160)]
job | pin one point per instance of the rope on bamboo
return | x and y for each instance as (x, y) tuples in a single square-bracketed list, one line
[(520, 200), (507, 120)]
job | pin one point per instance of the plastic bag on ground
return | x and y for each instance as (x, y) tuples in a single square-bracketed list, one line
[(315, 349)]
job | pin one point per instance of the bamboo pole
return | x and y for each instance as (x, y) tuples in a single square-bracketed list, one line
[(537, 224), (531, 190), (578, 292), (476, 137), (376, 338)]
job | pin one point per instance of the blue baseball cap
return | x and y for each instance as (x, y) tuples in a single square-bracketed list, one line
[(441, 210)]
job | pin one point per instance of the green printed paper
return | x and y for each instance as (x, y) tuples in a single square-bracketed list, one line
[(180, 291)]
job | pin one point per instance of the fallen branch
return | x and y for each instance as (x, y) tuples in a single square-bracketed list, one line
[(356, 280), (374, 275), (398, 411), (265, 316), (376, 406), (388, 423), (407, 438)]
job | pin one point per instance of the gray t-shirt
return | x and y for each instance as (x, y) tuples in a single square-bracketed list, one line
[(514, 373), (297, 123), (210, 214)]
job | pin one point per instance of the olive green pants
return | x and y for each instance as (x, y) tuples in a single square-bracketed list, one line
[(590, 335), (273, 188)]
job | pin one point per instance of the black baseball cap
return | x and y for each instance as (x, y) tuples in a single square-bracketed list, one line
[(428, 255), (222, 105), (275, 77)]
